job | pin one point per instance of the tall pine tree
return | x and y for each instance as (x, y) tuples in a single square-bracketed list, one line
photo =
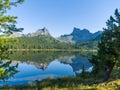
[(109, 46)]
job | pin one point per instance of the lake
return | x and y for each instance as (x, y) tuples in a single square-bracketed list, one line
[(32, 66)]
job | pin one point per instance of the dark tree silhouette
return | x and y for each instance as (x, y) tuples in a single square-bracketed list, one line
[(109, 46)]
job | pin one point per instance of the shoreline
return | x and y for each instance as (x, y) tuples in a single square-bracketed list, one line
[(72, 50)]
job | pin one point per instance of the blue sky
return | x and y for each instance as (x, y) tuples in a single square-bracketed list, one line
[(60, 16)]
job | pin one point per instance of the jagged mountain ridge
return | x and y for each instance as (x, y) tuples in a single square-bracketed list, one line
[(79, 36), (44, 31)]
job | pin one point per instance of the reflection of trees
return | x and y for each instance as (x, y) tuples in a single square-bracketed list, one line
[(41, 59), (42, 56), (36, 56)]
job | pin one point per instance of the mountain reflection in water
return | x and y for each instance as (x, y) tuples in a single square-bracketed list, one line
[(60, 66)]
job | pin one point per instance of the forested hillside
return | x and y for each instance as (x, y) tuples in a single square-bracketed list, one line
[(38, 42), (48, 42)]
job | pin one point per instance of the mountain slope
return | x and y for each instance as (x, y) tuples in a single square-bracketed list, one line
[(38, 42), (79, 36)]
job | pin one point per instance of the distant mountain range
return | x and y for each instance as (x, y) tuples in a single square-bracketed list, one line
[(77, 35), (43, 32)]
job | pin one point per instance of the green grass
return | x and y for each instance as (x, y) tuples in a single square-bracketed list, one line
[(112, 85)]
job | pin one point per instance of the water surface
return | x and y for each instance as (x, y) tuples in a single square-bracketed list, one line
[(34, 66)]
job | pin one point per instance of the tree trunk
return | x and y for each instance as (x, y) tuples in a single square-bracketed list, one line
[(108, 72)]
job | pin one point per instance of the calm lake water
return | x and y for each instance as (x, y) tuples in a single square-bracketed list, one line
[(34, 66)]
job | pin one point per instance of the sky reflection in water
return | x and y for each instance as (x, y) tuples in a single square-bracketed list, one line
[(64, 66)]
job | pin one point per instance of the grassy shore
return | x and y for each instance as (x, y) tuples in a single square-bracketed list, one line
[(112, 85)]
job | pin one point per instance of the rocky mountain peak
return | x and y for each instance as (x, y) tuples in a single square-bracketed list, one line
[(43, 31), (80, 35), (79, 31), (76, 30)]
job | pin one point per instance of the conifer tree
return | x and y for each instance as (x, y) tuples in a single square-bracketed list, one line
[(7, 22), (109, 46)]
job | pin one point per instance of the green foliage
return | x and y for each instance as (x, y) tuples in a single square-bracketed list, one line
[(6, 21), (109, 46), (7, 26), (92, 45), (7, 70), (38, 42), (49, 43)]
